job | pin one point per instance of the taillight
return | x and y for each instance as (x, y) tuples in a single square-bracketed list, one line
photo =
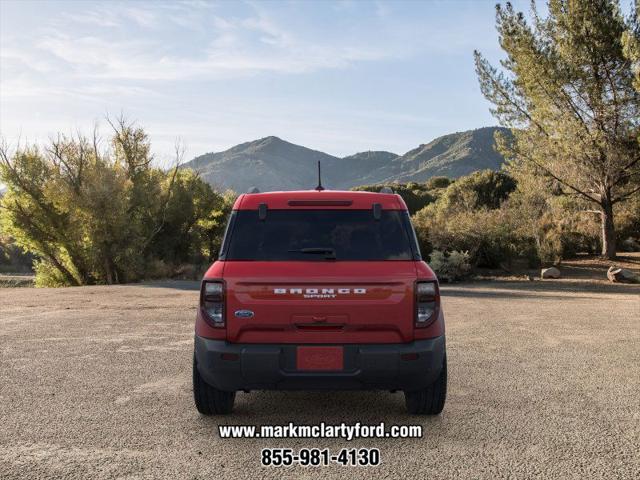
[(427, 303), (212, 302)]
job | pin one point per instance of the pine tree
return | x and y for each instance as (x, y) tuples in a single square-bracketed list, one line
[(566, 89)]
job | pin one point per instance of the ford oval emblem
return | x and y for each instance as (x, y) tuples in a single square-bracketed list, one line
[(244, 313)]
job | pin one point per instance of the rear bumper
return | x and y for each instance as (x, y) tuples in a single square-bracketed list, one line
[(273, 367)]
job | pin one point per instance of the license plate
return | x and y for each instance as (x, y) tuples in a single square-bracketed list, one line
[(320, 358)]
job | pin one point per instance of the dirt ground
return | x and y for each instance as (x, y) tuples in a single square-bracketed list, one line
[(544, 381), (582, 268)]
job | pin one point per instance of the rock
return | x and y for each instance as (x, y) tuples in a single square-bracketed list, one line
[(621, 275), (551, 272)]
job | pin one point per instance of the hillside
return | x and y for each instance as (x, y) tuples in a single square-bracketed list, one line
[(453, 156), (268, 163), (369, 160), (271, 163)]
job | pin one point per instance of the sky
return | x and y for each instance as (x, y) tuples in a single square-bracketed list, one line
[(340, 77)]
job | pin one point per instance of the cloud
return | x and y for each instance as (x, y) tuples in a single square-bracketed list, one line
[(271, 33), (164, 61), (141, 16), (227, 55), (234, 46), (111, 16), (184, 41), (99, 17)]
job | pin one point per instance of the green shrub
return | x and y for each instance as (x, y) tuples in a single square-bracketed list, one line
[(158, 269), (627, 216), (485, 234), (12, 258), (415, 195), (452, 266), (482, 189), (47, 276), (92, 215), (435, 183)]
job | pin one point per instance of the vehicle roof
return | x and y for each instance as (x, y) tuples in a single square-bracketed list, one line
[(321, 200)]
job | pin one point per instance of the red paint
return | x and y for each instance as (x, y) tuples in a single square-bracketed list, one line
[(385, 313), (359, 200), (319, 358)]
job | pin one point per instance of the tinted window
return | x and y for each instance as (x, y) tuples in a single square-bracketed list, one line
[(350, 234)]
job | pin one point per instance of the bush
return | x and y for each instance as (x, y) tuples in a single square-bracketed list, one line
[(47, 276), (452, 266), (435, 183), (482, 189), (157, 269), (474, 215), (190, 271), (91, 216), (415, 195), (487, 235), (627, 216), (12, 258)]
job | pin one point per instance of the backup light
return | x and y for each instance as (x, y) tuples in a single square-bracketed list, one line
[(212, 302), (427, 303)]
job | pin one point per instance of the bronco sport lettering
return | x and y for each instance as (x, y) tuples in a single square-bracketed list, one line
[(319, 292)]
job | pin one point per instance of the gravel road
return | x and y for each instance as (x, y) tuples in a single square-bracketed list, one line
[(544, 381)]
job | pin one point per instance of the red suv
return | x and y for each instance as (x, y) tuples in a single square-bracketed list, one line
[(319, 290)]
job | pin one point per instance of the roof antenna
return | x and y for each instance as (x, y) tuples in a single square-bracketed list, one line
[(319, 188)]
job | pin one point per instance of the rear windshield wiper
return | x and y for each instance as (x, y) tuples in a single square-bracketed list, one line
[(329, 253)]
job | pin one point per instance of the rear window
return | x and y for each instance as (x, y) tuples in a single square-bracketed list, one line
[(320, 235)]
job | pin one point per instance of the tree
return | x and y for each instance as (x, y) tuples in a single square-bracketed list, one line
[(194, 221), (566, 89), (89, 216), (33, 219), (211, 226), (469, 217), (631, 40), (481, 189)]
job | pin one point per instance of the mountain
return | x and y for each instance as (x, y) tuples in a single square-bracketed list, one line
[(361, 168), (453, 156), (370, 159), (271, 163)]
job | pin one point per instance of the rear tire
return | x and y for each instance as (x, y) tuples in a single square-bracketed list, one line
[(429, 401), (209, 400)]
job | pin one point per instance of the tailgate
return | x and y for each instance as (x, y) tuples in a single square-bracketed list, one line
[(320, 302)]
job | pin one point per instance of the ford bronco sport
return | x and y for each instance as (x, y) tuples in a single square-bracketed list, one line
[(319, 290)]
